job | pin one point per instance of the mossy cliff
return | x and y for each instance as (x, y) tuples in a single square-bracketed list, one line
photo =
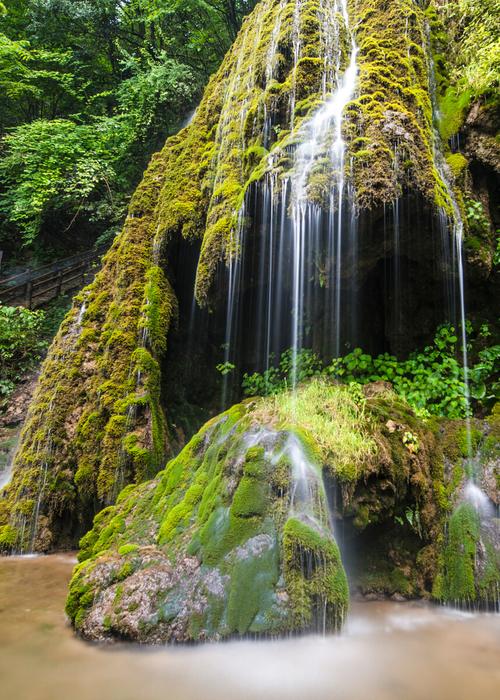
[(97, 421), (464, 45), (233, 538), (390, 123)]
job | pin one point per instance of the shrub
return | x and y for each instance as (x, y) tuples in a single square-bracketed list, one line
[(22, 344), (432, 380)]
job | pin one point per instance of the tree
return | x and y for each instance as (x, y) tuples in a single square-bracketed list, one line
[(88, 90)]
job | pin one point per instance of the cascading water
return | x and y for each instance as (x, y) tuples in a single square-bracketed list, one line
[(28, 525), (300, 248), (457, 229), (472, 492), (7, 462), (323, 132), (299, 236)]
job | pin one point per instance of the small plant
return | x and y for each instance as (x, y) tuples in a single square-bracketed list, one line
[(293, 367), (225, 368), (496, 255), (476, 217), (411, 442), (412, 517)]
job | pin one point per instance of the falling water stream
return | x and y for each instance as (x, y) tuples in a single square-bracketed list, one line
[(27, 525), (300, 249), (8, 448), (472, 492), (301, 245)]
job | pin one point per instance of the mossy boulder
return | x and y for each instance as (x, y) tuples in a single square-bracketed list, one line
[(216, 545)]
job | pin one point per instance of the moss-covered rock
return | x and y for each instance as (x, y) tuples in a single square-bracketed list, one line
[(390, 123), (470, 563), (233, 538)]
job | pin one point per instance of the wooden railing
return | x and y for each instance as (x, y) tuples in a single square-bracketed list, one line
[(34, 288)]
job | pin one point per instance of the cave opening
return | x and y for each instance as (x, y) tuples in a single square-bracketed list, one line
[(380, 537)]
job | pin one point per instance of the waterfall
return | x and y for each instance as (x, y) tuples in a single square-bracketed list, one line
[(457, 228), (7, 461), (27, 525), (472, 493), (308, 500), (322, 132), (299, 250), (304, 215)]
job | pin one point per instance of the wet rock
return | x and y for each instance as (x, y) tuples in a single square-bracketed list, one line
[(218, 545)]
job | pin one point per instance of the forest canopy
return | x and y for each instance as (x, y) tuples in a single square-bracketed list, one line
[(88, 91)]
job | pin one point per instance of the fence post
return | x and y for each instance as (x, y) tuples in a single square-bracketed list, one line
[(59, 283), (29, 294)]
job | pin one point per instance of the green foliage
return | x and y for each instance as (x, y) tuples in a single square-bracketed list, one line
[(155, 94), (484, 375), (21, 345), (58, 165), (54, 313), (225, 368), (292, 368), (476, 218), (412, 517), (432, 381), (474, 26), (88, 91)]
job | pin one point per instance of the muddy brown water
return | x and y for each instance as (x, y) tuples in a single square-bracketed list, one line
[(388, 651)]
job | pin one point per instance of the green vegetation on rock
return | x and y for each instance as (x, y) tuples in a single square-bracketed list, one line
[(211, 543), (431, 380)]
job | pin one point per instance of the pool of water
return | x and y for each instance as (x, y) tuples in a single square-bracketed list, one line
[(388, 651)]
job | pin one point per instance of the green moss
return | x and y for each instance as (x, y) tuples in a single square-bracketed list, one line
[(80, 411), (469, 566), (252, 591), (225, 504), (458, 164), (8, 537), (330, 420), (314, 577), (392, 112), (460, 554), (97, 421), (386, 580), (125, 571), (127, 549)]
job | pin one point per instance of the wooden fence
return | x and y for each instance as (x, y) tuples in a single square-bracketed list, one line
[(34, 288)]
